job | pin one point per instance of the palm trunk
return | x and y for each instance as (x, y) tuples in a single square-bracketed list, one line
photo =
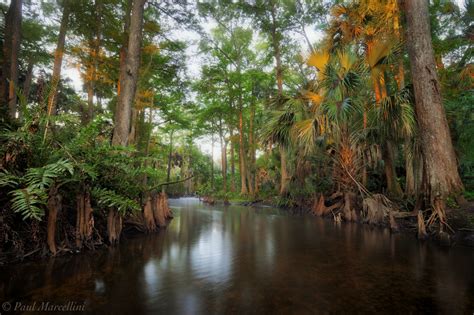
[(285, 178)]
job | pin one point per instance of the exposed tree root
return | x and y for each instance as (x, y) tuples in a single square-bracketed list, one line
[(377, 209), (148, 218), (84, 219), (161, 210), (114, 226), (208, 200), (156, 212), (320, 209), (349, 212), (421, 226)]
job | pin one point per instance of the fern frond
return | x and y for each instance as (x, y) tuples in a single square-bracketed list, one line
[(111, 199), (28, 202), (8, 180), (44, 177)]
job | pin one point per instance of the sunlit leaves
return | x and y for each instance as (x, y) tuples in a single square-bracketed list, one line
[(319, 60), (315, 98)]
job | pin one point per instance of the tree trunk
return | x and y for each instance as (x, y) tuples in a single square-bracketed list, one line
[(223, 143), (127, 7), (170, 155), (129, 76), (147, 147), (243, 164), (232, 161), (393, 186), (276, 51), (212, 162), (28, 80), (11, 49), (58, 60), (54, 206), (251, 166), (285, 178), (442, 176), (279, 78), (409, 171), (90, 95), (132, 136)]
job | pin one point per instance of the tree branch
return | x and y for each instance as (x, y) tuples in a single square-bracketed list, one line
[(171, 183)]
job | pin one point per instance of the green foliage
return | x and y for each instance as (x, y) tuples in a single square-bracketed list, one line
[(469, 195), (8, 180), (44, 177), (110, 199), (29, 200)]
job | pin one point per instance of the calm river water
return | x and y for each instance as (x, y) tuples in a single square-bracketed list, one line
[(218, 260)]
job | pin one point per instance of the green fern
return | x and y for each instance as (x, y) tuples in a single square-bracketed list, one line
[(8, 180), (111, 199), (29, 202), (44, 177)]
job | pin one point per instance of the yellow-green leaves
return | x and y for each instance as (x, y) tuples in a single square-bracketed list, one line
[(319, 60)]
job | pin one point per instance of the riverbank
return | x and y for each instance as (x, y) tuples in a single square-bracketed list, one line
[(66, 234), (460, 219)]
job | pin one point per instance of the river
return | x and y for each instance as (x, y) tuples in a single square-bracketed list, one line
[(216, 260)]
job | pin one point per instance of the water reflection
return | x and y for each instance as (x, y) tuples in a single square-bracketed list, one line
[(244, 260)]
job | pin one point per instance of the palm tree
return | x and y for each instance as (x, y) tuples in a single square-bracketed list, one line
[(334, 116), (373, 28)]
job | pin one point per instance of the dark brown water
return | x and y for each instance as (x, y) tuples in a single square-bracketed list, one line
[(216, 260)]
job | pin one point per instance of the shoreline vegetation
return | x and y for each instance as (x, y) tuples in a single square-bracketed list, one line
[(358, 111), (377, 212)]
